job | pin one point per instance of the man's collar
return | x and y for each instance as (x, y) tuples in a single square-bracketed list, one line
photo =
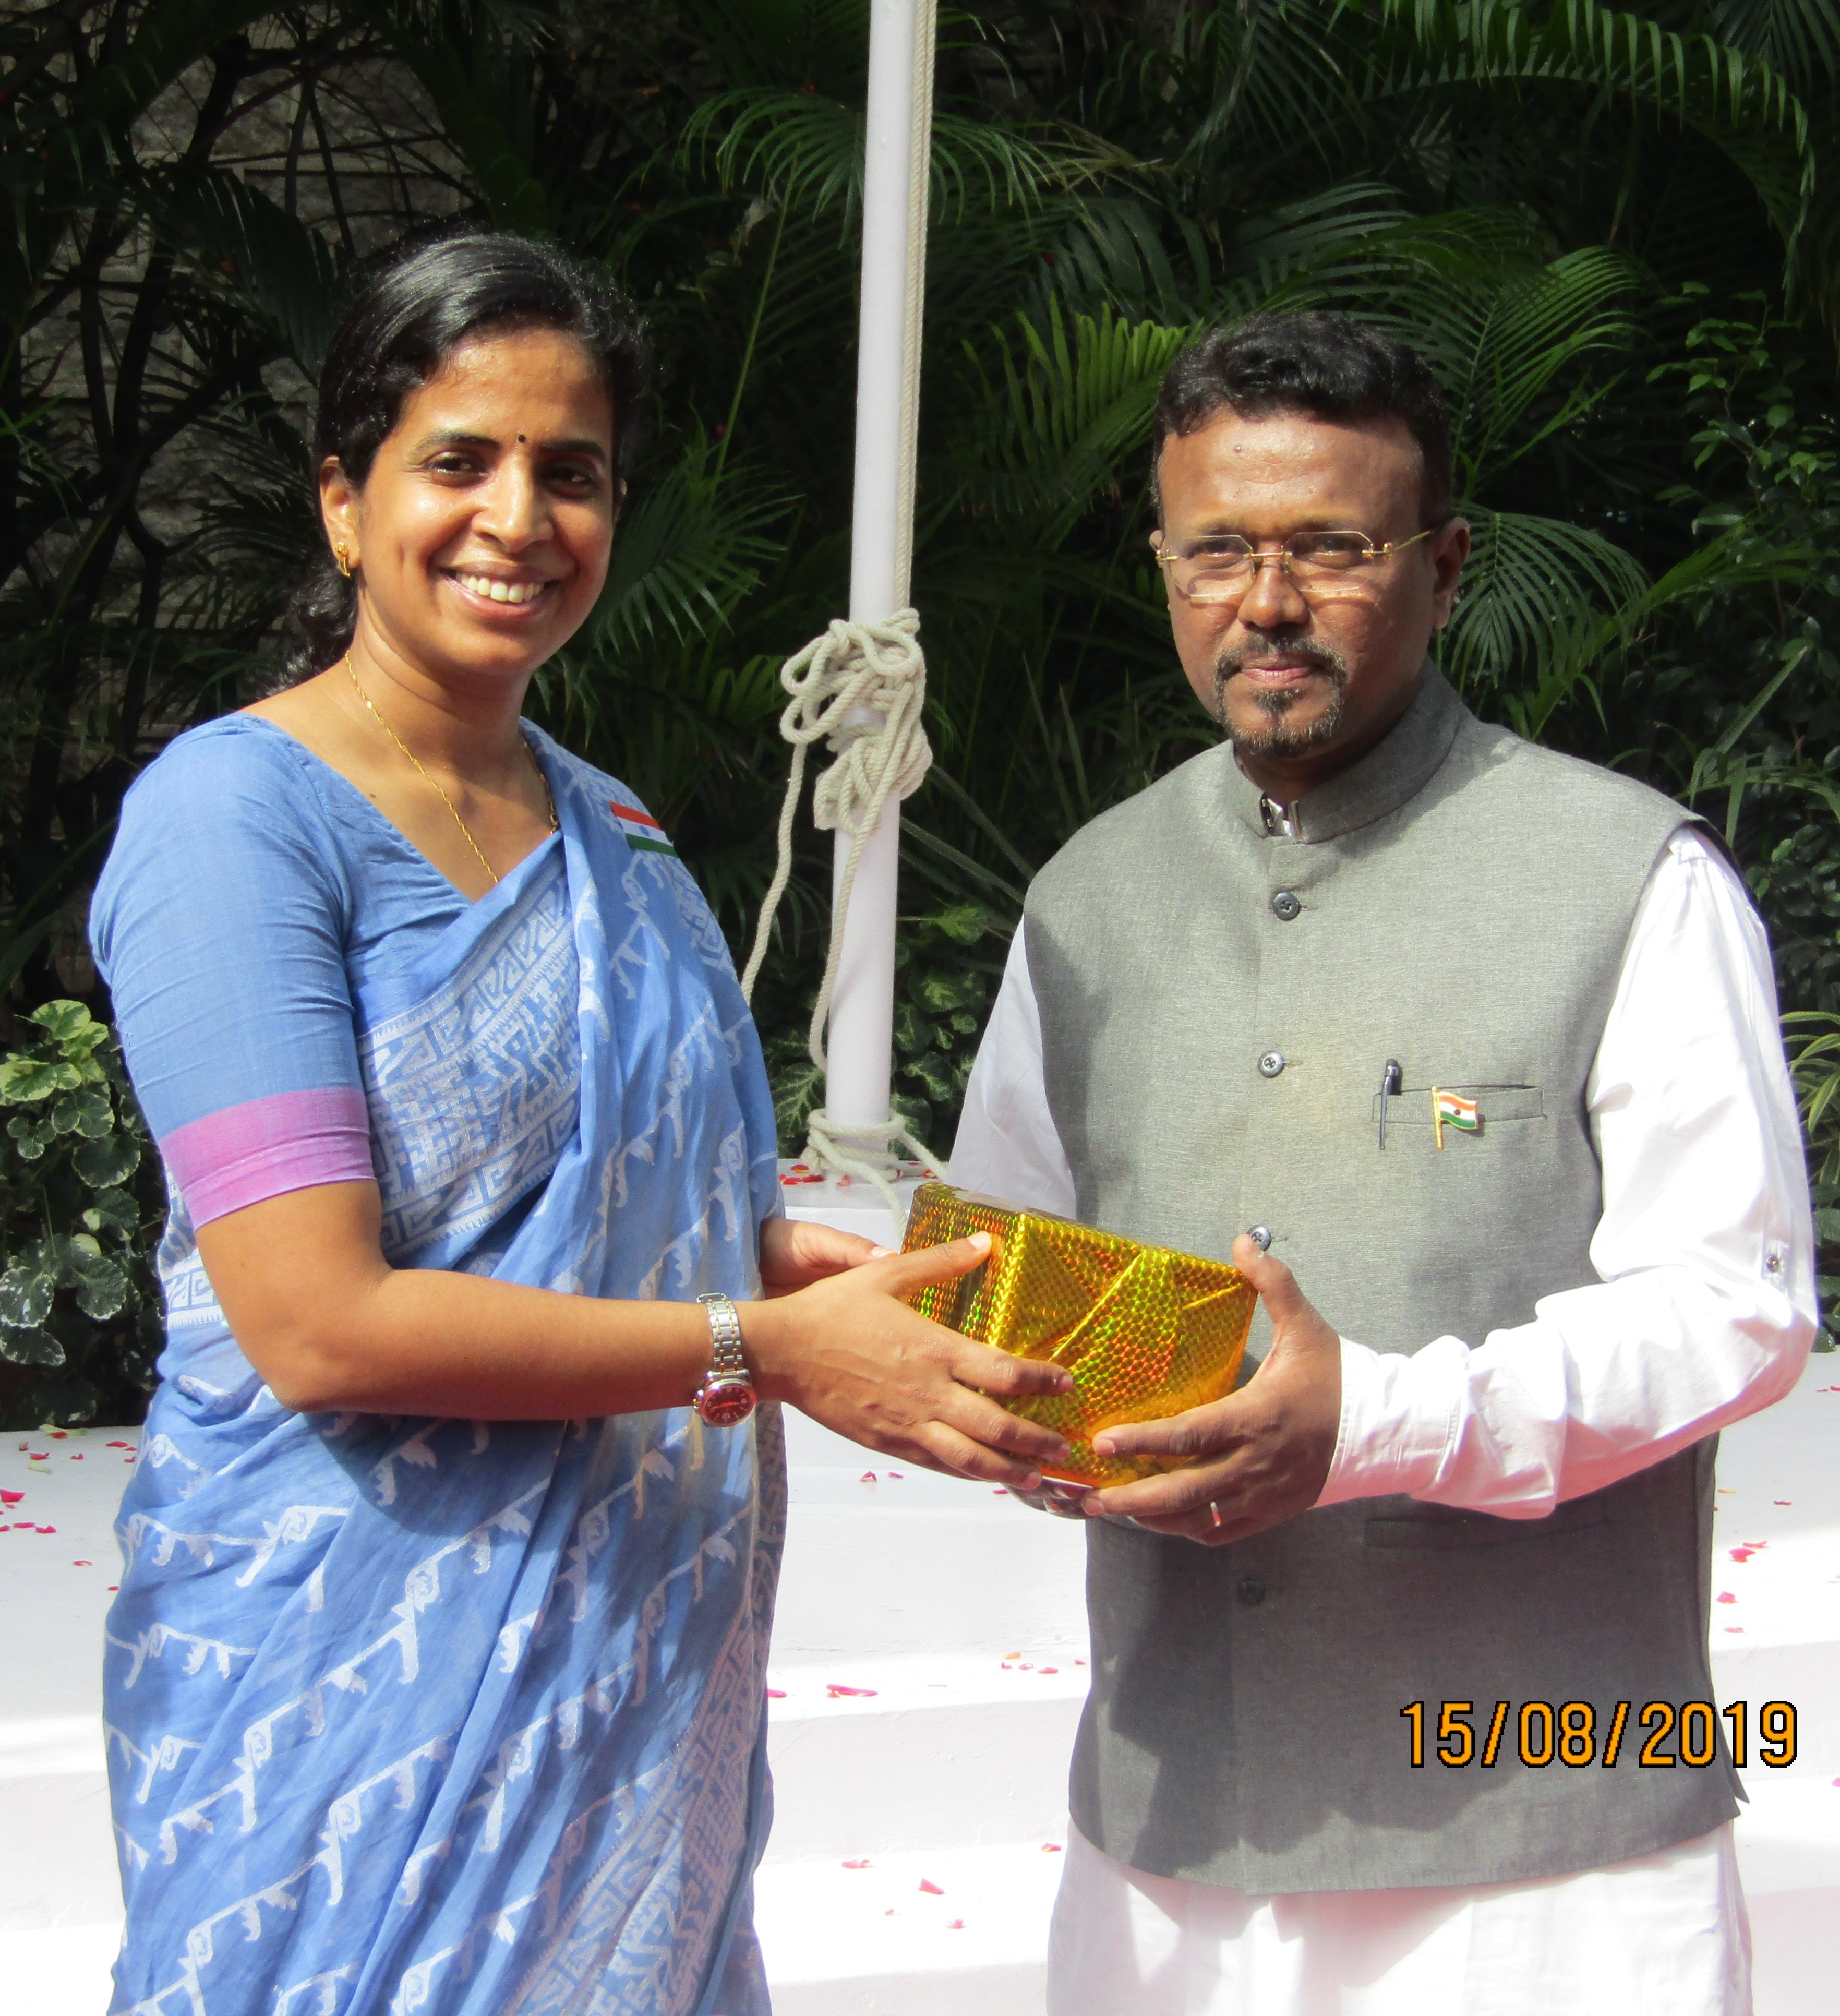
[(1395, 769)]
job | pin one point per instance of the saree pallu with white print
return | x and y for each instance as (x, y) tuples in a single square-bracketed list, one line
[(457, 1717)]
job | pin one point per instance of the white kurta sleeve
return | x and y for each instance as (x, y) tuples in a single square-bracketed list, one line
[(1704, 1308), (1007, 1144)]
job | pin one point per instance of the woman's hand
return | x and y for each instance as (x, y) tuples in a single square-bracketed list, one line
[(794, 1253), (850, 1353)]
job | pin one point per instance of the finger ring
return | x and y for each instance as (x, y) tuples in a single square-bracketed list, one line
[(1214, 1510)]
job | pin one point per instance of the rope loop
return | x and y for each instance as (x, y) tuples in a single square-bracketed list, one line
[(861, 689)]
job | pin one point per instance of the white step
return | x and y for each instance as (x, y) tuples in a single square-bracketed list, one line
[(947, 1603)]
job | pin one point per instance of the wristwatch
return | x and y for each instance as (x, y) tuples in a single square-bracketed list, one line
[(726, 1395)]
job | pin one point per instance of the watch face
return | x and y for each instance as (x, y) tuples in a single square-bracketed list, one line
[(726, 1400)]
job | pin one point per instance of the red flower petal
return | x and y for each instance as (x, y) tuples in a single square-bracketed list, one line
[(861, 1862), (954, 1925), (11, 1497), (931, 1889), (1050, 1848), (776, 1694), (1725, 1596), (121, 1444), (835, 1689)]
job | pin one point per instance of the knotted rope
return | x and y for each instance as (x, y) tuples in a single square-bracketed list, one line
[(860, 687)]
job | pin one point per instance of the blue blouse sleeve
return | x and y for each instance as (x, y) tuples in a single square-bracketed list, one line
[(219, 924)]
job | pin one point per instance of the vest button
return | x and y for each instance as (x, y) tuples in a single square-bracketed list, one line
[(1250, 1591), (1271, 1064), (1285, 906)]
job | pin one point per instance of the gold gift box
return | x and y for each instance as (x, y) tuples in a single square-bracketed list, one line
[(1145, 1332)]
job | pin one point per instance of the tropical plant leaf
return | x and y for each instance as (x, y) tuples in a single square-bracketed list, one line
[(1531, 586), (295, 281)]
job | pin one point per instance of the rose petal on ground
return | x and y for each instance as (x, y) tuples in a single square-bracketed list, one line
[(954, 1925), (931, 1887), (83, 1564), (836, 1689), (861, 1862), (776, 1694), (1725, 1596), (121, 1444), (48, 1529), (11, 1497), (1050, 1848), (868, 1477)]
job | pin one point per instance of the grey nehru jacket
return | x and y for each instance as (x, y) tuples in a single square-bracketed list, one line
[(1217, 1004)]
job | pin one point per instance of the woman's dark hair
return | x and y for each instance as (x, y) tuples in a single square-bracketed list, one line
[(1315, 362), (412, 312)]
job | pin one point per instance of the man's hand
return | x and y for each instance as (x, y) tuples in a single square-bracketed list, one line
[(1255, 1459)]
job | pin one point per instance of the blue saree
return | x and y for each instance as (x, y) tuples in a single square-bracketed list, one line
[(457, 1717)]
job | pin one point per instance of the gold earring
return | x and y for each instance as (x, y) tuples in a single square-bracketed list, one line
[(342, 555)]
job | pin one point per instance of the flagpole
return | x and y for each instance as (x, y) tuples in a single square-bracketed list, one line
[(895, 170)]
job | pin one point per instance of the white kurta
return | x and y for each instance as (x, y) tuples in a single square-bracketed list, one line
[(1704, 1313)]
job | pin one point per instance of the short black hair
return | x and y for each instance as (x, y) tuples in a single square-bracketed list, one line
[(416, 307), (1314, 361)]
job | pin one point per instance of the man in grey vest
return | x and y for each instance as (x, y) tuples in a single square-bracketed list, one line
[(1475, 1046)]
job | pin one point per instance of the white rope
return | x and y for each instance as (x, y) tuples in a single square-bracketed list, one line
[(920, 173), (861, 688)]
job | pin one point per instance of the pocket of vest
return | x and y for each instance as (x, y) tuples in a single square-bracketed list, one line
[(1436, 1528), (1411, 1107)]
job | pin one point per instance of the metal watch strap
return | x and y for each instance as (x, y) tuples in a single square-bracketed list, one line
[(724, 1331), (726, 1397)]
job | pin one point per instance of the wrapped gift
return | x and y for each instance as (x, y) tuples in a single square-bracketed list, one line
[(1145, 1332)]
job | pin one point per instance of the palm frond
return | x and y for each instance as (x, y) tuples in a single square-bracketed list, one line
[(1533, 587), (690, 551), (1067, 403), (804, 151)]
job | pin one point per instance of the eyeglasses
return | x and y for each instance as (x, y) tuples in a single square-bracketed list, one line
[(1215, 570)]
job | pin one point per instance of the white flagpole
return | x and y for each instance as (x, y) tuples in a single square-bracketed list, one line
[(899, 127)]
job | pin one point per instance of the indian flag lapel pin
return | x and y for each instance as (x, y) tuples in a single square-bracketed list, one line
[(1448, 1110), (641, 829)]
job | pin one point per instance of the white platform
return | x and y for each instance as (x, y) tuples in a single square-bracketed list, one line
[(958, 1614)]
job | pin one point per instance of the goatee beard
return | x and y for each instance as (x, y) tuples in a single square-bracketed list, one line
[(1278, 736)]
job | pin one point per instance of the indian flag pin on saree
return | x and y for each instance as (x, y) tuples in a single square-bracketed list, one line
[(1448, 1110)]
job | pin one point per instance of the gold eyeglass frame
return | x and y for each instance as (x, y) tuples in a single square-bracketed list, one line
[(1259, 555)]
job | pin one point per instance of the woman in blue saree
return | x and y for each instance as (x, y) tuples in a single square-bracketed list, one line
[(435, 1681)]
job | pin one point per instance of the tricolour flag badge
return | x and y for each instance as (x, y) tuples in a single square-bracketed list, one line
[(641, 829), (1450, 1110)]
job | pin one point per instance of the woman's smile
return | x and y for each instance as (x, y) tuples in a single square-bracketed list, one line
[(502, 591)]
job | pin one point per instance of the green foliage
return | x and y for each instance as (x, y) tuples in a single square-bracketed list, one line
[(80, 1203), (1551, 200)]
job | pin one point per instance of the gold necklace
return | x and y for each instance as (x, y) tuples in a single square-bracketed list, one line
[(548, 799)]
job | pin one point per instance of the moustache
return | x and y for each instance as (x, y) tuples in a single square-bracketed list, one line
[(1235, 657)]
